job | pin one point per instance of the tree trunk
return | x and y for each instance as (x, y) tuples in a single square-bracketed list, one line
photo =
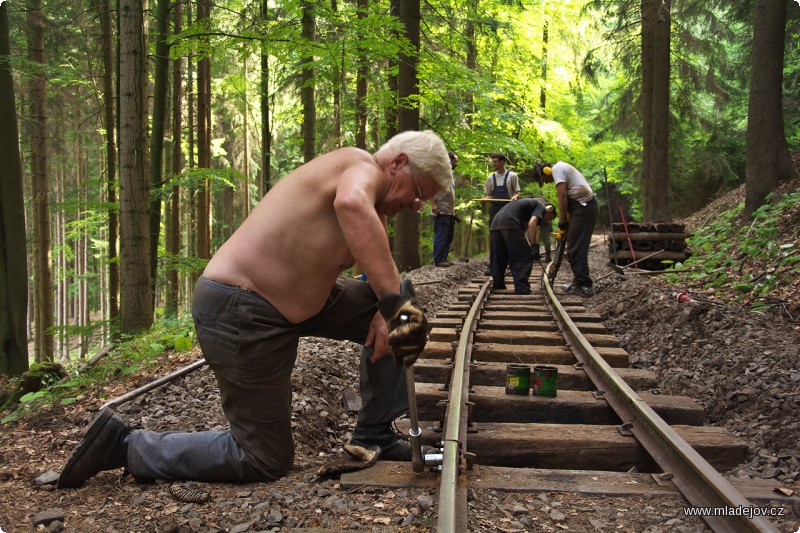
[(246, 142), (226, 216), (543, 90), (361, 84), (406, 243), (767, 158), (13, 264), (266, 137), (136, 307), (338, 77), (309, 126), (109, 119), (160, 89), (654, 105), (41, 185), (204, 143), (173, 233), (390, 112)]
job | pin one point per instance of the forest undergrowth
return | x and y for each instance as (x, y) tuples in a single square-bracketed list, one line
[(754, 261)]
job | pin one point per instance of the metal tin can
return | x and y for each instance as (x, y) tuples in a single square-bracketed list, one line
[(518, 379), (545, 381)]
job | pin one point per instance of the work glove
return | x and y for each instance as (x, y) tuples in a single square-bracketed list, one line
[(560, 234), (535, 253), (563, 224), (408, 327)]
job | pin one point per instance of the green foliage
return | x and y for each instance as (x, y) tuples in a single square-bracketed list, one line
[(146, 351), (750, 260)]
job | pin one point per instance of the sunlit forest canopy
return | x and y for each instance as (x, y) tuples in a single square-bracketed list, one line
[(234, 95)]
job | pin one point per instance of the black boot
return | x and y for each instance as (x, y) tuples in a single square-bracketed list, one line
[(104, 447), (393, 448)]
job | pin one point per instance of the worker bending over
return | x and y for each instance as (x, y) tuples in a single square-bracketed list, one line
[(513, 241)]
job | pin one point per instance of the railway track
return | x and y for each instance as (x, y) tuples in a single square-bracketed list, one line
[(607, 431)]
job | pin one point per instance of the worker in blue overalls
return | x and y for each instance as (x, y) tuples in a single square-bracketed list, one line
[(502, 184)]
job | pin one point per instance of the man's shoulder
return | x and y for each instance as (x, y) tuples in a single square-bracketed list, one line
[(347, 158), (349, 152)]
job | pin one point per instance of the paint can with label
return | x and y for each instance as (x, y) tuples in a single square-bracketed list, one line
[(545, 381), (518, 379)]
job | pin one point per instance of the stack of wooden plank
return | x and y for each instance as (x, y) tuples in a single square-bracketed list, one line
[(652, 246)]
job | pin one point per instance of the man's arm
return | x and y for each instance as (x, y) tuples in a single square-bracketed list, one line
[(364, 230), (561, 191), (515, 184), (533, 226)]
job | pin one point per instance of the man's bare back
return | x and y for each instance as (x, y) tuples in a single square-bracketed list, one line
[(315, 223)]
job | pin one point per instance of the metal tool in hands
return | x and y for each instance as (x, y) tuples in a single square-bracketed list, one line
[(555, 265), (418, 460)]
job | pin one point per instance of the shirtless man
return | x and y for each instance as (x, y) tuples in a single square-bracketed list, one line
[(276, 280)]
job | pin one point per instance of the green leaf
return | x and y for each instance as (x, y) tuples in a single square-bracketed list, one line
[(183, 344), (130, 369), (156, 347), (68, 401), (32, 396)]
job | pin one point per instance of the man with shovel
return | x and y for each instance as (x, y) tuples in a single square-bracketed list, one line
[(275, 280), (578, 207)]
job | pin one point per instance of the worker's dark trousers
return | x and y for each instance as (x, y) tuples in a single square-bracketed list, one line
[(579, 236), (509, 248), (443, 228), (252, 349)]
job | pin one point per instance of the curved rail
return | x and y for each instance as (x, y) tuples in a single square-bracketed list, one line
[(698, 481), (452, 495)]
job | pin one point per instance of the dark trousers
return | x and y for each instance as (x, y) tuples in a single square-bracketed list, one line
[(443, 230), (252, 350), (581, 225), (509, 248)]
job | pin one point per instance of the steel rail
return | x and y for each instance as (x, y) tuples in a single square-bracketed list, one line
[(163, 380), (452, 494), (697, 480)]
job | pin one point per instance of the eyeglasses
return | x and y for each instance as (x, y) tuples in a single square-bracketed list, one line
[(420, 196)]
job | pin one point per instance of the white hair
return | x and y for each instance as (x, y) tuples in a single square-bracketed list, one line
[(426, 152)]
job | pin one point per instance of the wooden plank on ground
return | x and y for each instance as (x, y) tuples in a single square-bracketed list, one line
[(586, 316), (584, 446), (519, 307), (492, 404), (550, 338), (525, 354), (394, 475), (516, 325), (494, 373)]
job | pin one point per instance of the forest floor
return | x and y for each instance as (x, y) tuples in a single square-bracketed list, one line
[(742, 366)]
